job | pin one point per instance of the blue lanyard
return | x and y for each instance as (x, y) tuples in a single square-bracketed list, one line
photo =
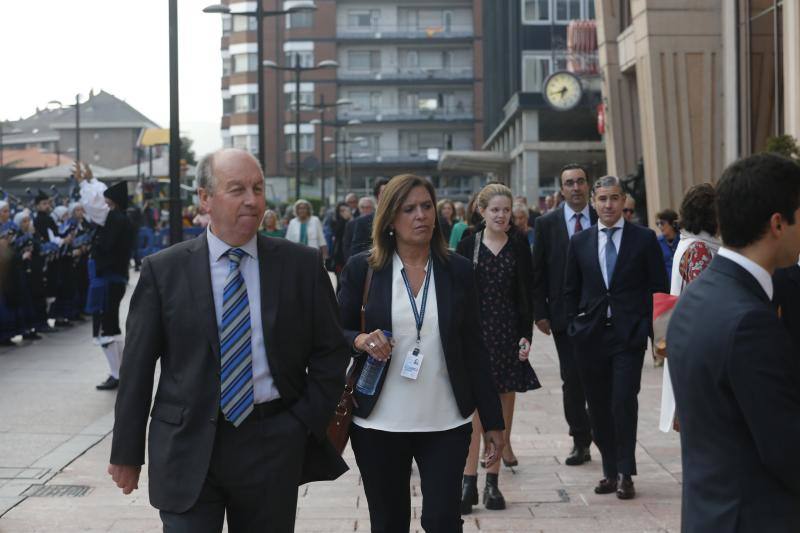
[(419, 315)]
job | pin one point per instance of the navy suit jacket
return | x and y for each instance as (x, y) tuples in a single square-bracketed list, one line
[(737, 391), (550, 244), (787, 297), (465, 356), (639, 273)]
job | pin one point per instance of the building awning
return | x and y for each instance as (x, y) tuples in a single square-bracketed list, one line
[(56, 174), (475, 161), (153, 137)]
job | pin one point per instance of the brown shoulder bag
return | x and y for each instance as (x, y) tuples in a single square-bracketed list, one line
[(339, 427)]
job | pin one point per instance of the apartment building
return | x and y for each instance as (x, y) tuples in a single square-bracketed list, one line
[(411, 72)]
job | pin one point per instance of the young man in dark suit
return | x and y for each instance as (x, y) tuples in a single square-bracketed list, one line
[(552, 233), (733, 367), (252, 366), (613, 269)]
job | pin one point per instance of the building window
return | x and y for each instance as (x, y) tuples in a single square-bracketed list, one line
[(535, 11), (306, 142), (226, 66), (364, 60), (625, 16), (567, 10), (246, 142), (363, 18), (245, 103), (365, 101), (536, 68), (244, 23), (306, 95), (590, 13), (245, 62), (301, 19), (227, 24), (227, 106), (305, 57)]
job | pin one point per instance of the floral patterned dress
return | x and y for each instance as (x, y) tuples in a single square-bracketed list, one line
[(496, 277)]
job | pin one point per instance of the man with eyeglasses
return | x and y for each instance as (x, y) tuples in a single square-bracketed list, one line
[(552, 233), (629, 210)]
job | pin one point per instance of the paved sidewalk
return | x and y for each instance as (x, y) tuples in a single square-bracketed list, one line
[(54, 433)]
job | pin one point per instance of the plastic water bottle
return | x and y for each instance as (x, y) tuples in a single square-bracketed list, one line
[(370, 376)]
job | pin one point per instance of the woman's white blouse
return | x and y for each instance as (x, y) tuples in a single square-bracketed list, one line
[(316, 239), (427, 403)]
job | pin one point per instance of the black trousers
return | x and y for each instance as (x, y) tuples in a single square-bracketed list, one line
[(110, 319), (384, 459), (612, 376), (253, 478), (572, 388)]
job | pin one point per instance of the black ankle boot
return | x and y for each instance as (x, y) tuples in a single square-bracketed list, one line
[(469, 493), (492, 497)]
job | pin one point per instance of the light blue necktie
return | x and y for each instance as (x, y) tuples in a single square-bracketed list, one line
[(611, 253), (236, 396)]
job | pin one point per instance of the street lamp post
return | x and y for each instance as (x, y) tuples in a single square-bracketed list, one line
[(260, 15), (323, 107), (77, 127), (298, 70), (175, 222)]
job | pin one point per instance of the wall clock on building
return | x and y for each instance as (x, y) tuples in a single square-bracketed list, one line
[(563, 90)]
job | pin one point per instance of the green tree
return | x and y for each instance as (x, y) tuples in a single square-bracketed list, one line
[(186, 151), (785, 145)]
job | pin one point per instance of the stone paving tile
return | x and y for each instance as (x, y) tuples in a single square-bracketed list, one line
[(542, 493)]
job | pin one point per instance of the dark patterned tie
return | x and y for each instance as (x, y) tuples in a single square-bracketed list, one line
[(578, 225)]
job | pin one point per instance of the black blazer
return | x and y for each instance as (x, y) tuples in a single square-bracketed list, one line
[(524, 278), (638, 274), (737, 391), (362, 234), (172, 318), (787, 297), (550, 244), (465, 356)]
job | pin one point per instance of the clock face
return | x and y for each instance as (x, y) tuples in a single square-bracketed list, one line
[(563, 90)]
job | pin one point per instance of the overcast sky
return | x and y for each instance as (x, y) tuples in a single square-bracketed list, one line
[(53, 49)]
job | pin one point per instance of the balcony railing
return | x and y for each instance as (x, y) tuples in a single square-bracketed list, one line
[(407, 114), (405, 32), (408, 73), (368, 157)]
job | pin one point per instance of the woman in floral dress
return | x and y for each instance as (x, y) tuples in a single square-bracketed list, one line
[(503, 269)]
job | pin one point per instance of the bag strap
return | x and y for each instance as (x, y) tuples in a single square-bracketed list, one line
[(355, 368), (364, 298), (477, 248)]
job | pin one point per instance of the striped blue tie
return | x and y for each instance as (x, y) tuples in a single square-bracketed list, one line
[(236, 396)]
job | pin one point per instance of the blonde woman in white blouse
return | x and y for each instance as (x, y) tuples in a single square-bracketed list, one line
[(305, 228)]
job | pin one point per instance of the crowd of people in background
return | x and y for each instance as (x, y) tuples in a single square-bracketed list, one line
[(581, 267)]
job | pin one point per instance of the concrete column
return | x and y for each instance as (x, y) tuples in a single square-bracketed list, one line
[(791, 67)]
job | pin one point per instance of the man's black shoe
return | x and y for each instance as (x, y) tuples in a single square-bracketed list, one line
[(606, 486), (578, 456), (110, 384), (625, 490)]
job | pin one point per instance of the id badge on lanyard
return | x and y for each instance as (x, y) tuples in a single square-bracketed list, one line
[(413, 360)]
